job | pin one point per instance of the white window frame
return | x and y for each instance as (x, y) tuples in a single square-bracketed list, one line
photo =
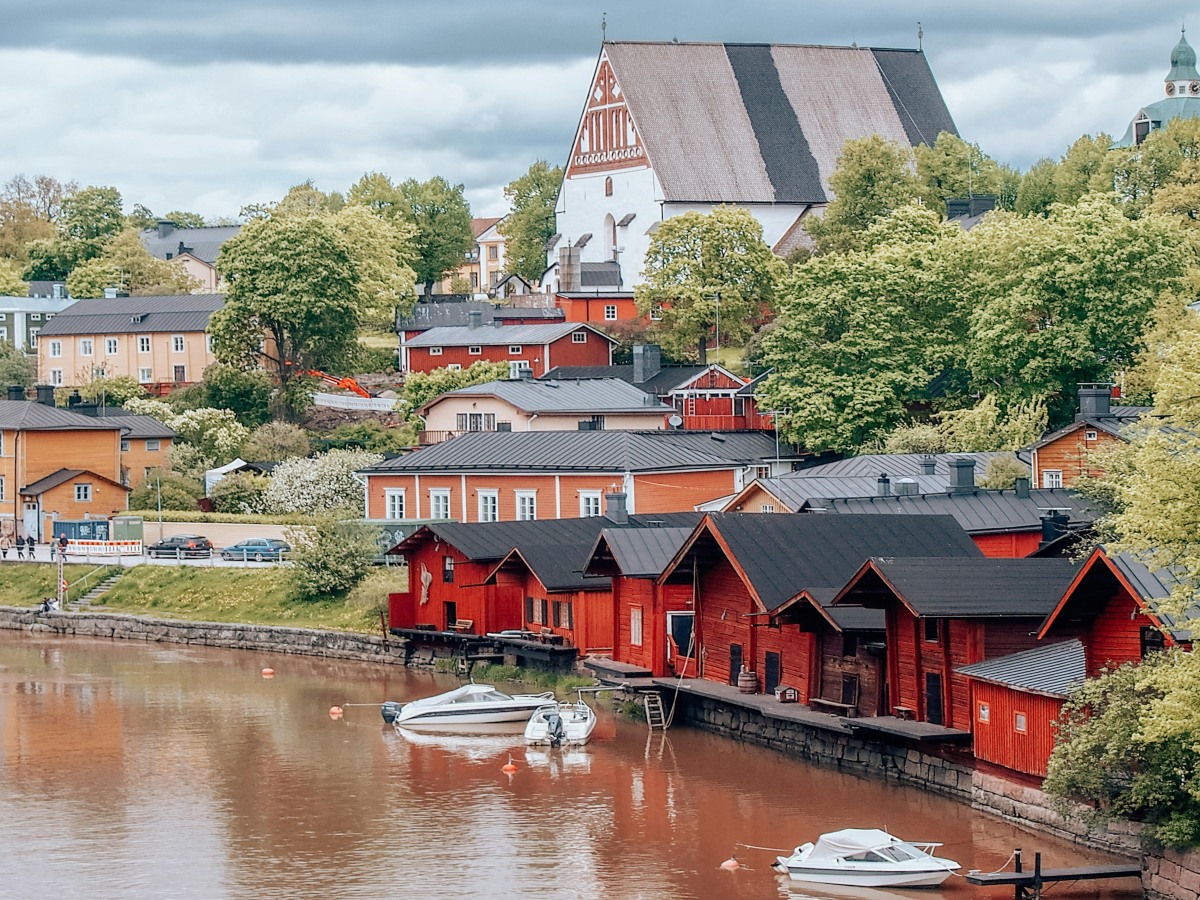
[(1020, 722), (591, 503), (126, 445), (208, 343), (439, 503), (488, 505), (145, 375), (526, 505), (37, 317), (83, 492), (33, 338), (578, 337), (985, 713), (656, 312), (768, 508), (1051, 479), (475, 350), (515, 366), (1089, 435), (435, 351), (455, 367), (55, 349), (515, 349), (636, 626), (86, 346), (177, 343), (153, 445), (111, 346), (610, 312), (393, 503), (143, 344), (56, 377)]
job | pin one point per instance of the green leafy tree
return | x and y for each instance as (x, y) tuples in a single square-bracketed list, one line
[(247, 394), (183, 219), (1140, 171), (442, 220), (1002, 473), (384, 253), (320, 485), (421, 387), (116, 390), (873, 177), (176, 491), (1086, 168), (11, 283), (15, 367), (307, 200), (275, 441), (127, 265), (954, 168), (985, 427), (1037, 192), (20, 227), (243, 493), (292, 281), (708, 274), (915, 437), (860, 336), (530, 221), (372, 436), (330, 557), (89, 219)]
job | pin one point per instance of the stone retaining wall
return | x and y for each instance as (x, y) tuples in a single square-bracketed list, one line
[(1172, 876), (267, 638)]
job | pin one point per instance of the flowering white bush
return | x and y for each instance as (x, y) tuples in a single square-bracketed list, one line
[(156, 409), (215, 433), (320, 484)]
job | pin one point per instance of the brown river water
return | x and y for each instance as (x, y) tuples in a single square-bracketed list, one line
[(149, 771)]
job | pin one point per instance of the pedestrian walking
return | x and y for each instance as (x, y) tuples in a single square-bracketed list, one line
[(20, 548), (4, 546), (30, 545)]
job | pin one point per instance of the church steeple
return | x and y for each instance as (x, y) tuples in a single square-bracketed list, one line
[(1183, 80)]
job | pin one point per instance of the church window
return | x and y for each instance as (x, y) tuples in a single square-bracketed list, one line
[(608, 186)]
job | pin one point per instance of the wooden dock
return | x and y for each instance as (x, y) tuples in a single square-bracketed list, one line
[(1028, 884)]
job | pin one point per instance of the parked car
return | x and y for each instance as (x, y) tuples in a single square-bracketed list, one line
[(180, 546), (258, 549)]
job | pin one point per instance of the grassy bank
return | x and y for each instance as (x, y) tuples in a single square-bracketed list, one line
[(250, 596), (25, 585)]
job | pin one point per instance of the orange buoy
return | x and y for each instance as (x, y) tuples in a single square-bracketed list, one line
[(268, 673), (731, 864), (508, 767), (336, 712)]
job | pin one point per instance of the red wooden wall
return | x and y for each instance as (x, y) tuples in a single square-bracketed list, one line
[(997, 741), (1013, 545)]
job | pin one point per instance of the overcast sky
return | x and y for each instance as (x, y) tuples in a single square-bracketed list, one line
[(207, 106)]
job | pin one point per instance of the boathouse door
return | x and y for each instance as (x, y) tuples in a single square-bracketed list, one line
[(772, 672), (933, 699), (735, 662), (451, 610)]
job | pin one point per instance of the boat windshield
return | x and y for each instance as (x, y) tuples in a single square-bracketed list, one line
[(481, 697), (899, 852)]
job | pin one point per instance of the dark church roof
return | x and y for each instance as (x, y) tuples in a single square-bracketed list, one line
[(766, 123)]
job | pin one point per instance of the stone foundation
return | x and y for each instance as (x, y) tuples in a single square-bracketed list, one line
[(1172, 876), (264, 638)]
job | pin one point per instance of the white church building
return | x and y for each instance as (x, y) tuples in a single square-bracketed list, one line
[(671, 127)]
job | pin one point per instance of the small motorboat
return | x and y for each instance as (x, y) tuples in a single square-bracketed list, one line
[(561, 724), (867, 857), (469, 705)]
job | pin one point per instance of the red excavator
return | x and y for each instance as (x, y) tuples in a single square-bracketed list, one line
[(344, 382)]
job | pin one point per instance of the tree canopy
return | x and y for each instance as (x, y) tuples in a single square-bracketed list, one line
[(708, 274), (530, 221), (127, 265), (439, 213), (11, 283)]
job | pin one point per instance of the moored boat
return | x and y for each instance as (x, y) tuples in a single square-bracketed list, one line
[(867, 857), (561, 724), (471, 704)]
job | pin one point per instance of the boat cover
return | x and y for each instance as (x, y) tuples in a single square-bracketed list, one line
[(849, 841)]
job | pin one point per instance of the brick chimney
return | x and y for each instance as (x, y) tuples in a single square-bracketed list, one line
[(647, 362), (615, 509), (962, 476), (16, 392), (1095, 401), (569, 272)]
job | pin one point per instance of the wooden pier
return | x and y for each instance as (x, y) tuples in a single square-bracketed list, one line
[(1028, 884)]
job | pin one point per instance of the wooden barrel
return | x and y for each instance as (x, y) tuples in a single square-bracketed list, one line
[(747, 681)]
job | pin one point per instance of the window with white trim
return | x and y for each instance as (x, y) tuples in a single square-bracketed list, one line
[(125, 446), (56, 378), (143, 344), (985, 713), (435, 351), (110, 346), (475, 422), (526, 505), (144, 376), (4, 334), (475, 350), (516, 366), (37, 317), (56, 349), (489, 506), (635, 626), (33, 338), (656, 312), (589, 504), (1020, 722), (578, 337), (153, 445), (768, 508), (85, 346), (1089, 435), (610, 312), (1052, 478), (439, 503), (393, 503), (83, 493), (177, 343), (208, 342), (515, 349), (454, 367)]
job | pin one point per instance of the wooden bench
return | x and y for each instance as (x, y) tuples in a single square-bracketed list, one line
[(463, 626), (820, 704)]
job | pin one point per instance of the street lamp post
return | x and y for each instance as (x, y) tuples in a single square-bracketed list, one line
[(775, 414)]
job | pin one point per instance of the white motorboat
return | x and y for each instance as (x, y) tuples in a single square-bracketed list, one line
[(561, 724), (867, 857), (469, 705)]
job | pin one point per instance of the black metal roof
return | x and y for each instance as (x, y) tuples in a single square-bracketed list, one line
[(642, 552), (135, 315), (27, 415), (784, 555), (662, 382), (974, 588), (1055, 669), (592, 451)]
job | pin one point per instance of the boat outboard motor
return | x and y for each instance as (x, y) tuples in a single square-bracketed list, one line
[(556, 729), (391, 711)]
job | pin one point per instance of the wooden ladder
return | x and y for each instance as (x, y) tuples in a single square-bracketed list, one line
[(656, 716)]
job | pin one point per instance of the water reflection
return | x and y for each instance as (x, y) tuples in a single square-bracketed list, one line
[(163, 771)]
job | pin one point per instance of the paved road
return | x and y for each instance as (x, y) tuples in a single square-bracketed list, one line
[(42, 554)]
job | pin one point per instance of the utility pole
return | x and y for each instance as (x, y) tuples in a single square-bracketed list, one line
[(775, 414)]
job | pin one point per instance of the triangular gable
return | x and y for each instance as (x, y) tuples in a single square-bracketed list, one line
[(1100, 558), (866, 573), (739, 499), (734, 382), (706, 527), (607, 137), (62, 476)]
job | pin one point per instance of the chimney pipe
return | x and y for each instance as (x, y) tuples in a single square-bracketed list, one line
[(165, 227), (614, 508), (16, 392), (474, 318), (884, 485), (1054, 526), (928, 464), (1095, 401), (647, 362), (45, 394), (1021, 486), (570, 276), (962, 476)]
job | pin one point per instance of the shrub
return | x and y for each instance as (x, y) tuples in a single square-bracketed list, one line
[(115, 391), (275, 441), (240, 492), (330, 558), (248, 394), (1002, 473), (177, 491)]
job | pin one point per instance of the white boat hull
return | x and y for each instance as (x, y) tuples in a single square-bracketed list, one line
[(457, 717), (578, 721), (465, 707), (842, 877), (867, 858)]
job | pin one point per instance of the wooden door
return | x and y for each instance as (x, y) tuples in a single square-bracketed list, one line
[(772, 671), (934, 713)]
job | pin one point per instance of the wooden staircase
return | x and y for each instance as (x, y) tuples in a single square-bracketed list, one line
[(656, 716)]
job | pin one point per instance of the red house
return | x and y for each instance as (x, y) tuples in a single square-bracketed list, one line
[(943, 614), (603, 308), (654, 627), (538, 348), (746, 568)]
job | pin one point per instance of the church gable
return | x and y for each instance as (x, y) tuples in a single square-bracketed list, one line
[(607, 137)]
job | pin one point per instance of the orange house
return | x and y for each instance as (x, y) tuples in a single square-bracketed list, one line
[(1062, 457), (52, 460)]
